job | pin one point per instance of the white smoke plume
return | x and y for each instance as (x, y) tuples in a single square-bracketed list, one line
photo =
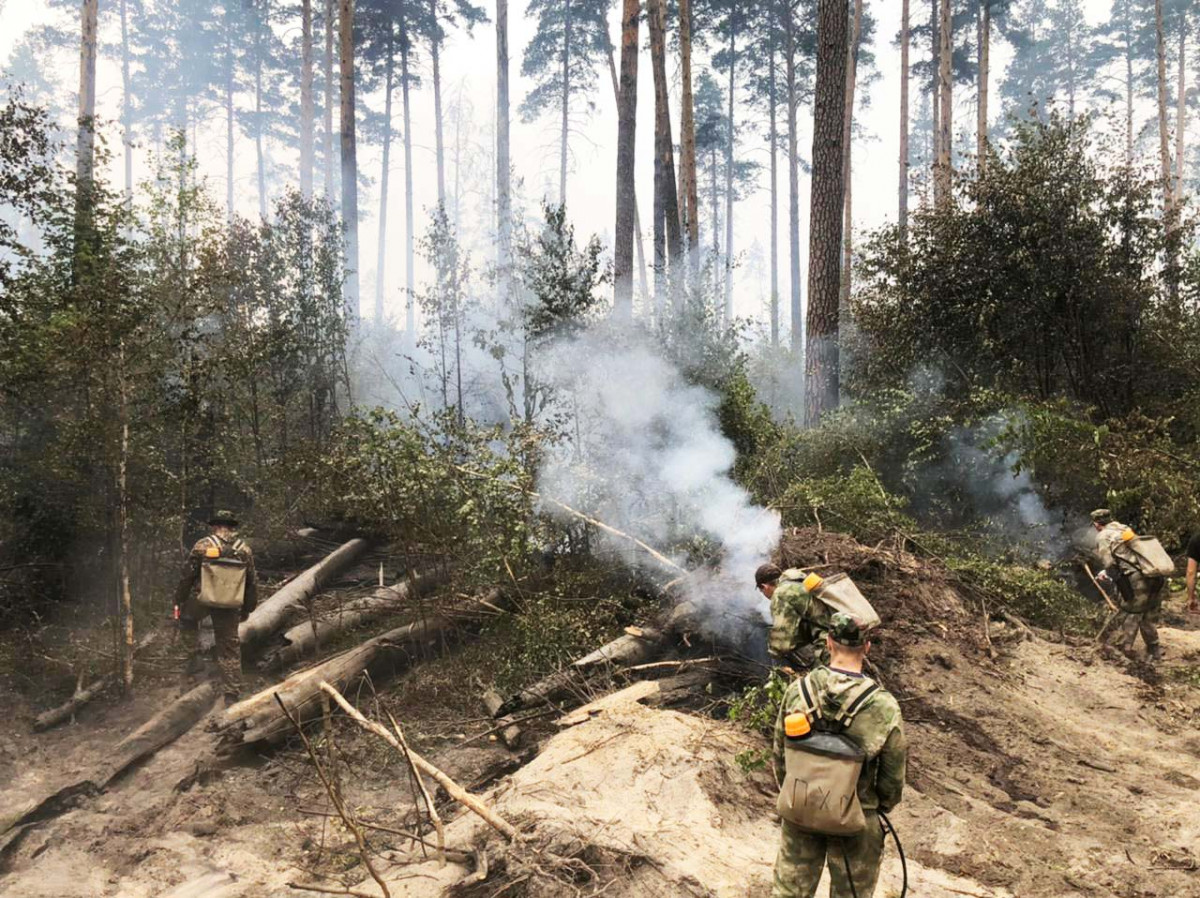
[(645, 454)]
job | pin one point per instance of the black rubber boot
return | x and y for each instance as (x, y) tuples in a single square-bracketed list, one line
[(1155, 652), (231, 698)]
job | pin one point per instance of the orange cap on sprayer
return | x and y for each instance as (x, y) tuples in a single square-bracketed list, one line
[(796, 725)]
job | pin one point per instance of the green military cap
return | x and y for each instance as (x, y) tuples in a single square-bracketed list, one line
[(224, 517), (1101, 516), (845, 630)]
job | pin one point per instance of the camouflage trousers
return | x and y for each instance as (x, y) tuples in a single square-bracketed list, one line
[(225, 630), (1143, 607), (1144, 622), (802, 857)]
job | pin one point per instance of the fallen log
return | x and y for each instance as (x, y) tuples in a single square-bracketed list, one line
[(632, 648), (67, 709), (259, 719), (304, 639), (160, 730), (273, 614)]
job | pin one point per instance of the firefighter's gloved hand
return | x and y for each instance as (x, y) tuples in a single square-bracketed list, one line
[(1103, 577)]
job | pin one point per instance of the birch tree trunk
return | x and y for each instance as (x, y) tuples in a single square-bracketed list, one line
[(306, 99), (690, 197), (902, 197), (384, 173), (503, 165), (1128, 85), (825, 235), (847, 152), (126, 648), (626, 129), (350, 294), (942, 174)]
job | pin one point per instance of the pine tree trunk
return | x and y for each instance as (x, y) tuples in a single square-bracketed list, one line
[(1172, 274), (86, 139), (306, 99), (258, 116), (410, 222), (773, 138), (435, 54), (350, 294), (566, 105), (981, 123), (942, 176), (728, 304), (126, 106), (638, 244), (690, 195), (503, 165), (626, 129), (229, 113), (825, 234), (935, 133), (1072, 71), (1181, 109), (905, 40), (793, 101), (847, 153), (1128, 85), (384, 173), (666, 200), (328, 77)]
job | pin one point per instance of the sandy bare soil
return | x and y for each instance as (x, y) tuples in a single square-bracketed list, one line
[(1047, 770)]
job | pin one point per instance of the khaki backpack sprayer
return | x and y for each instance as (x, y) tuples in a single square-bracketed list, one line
[(822, 765), (222, 574), (838, 593)]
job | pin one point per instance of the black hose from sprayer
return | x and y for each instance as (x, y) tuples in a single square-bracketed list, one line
[(886, 825)]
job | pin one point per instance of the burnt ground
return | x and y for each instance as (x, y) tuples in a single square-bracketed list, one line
[(1037, 768)]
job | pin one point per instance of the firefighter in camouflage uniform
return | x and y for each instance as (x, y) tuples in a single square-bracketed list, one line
[(224, 567), (876, 729)]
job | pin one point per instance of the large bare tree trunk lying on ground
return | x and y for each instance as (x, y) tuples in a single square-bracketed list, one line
[(638, 645), (273, 614), (305, 639), (160, 730), (259, 719)]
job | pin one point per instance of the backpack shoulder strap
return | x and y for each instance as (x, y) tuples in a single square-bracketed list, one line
[(811, 706), (239, 546), (850, 709)]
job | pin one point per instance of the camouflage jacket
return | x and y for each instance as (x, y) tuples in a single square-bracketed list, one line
[(877, 729), (1106, 539), (799, 622), (191, 573)]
